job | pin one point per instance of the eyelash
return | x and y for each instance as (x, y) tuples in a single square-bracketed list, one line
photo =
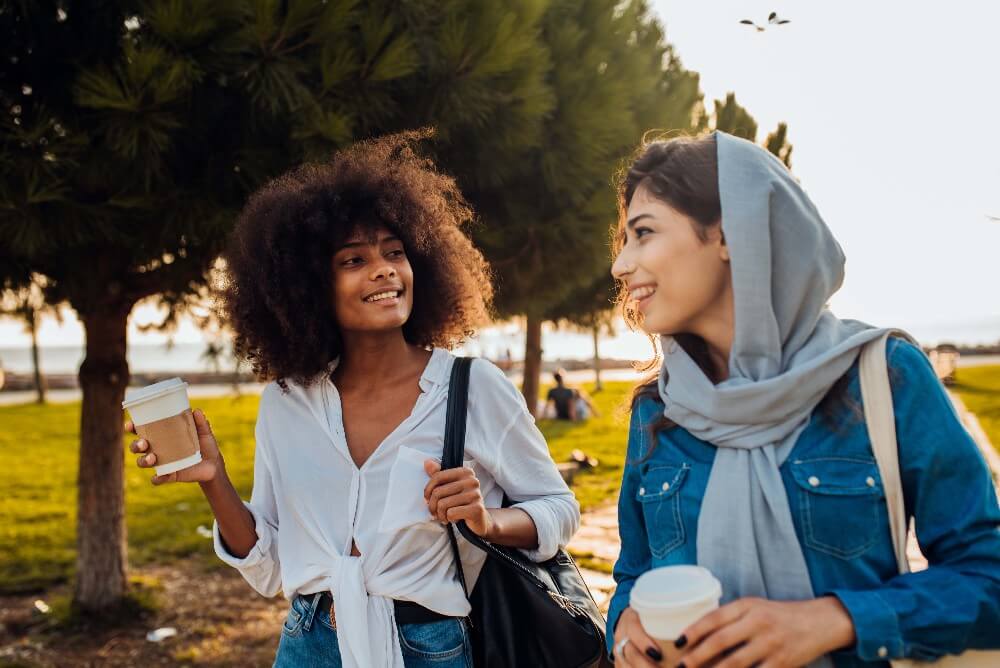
[(641, 229), (351, 260)]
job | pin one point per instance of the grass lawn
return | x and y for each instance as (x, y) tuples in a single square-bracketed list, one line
[(979, 388), (38, 468)]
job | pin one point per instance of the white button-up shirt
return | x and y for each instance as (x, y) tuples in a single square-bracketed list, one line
[(310, 500)]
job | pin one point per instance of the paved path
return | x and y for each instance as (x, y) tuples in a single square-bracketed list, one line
[(597, 540)]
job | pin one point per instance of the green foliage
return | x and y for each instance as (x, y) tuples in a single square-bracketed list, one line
[(732, 118), (611, 76), (777, 143), (38, 458)]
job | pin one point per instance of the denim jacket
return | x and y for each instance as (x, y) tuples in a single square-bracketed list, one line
[(838, 507)]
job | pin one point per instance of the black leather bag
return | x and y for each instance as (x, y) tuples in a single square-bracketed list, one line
[(523, 613)]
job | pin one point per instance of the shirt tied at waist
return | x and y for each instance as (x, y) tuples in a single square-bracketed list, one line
[(366, 622)]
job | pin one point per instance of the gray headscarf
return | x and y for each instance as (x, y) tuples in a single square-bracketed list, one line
[(788, 351)]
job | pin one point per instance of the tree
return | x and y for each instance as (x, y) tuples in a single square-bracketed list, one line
[(545, 231), (777, 143), (131, 139), (732, 118), (26, 302), (590, 308)]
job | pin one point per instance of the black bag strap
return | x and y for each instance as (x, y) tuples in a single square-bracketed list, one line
[(454, 440), (452, 457)]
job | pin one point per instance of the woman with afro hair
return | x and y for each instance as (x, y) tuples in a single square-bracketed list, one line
[(347, 284)]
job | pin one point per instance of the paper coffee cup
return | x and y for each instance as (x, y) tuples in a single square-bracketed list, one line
[(162, 415), (671, 598)]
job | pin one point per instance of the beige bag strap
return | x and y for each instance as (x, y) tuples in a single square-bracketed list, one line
[(876, 395)]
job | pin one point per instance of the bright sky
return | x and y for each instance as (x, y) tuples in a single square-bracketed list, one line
[(892, 110)]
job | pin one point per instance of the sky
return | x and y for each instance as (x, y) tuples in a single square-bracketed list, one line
[(892, 108)]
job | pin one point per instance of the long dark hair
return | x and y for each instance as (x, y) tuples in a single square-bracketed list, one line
[(684, 173)]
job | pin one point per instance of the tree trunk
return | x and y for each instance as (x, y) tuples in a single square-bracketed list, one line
[(597, 359), (532, 362), (32, 316), (101, 542)]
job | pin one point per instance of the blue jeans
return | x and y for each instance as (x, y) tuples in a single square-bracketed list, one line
[(308, 640)]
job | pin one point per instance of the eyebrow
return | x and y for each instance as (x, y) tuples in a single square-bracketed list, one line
[(635, 219), (359, 244)]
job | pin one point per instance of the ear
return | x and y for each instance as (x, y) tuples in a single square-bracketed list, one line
[(723, 248)]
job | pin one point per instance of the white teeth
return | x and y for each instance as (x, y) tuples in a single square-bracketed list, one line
[(642, 293), (382, 295)]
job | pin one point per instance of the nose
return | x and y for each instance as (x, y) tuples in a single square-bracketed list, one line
[(623, 265), (382, 271)]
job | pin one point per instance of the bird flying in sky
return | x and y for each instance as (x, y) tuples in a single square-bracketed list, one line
[(772, 19)]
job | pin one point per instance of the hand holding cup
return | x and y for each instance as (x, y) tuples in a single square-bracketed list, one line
[(210, 466)]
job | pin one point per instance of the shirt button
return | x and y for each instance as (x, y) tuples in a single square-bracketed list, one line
[(814, 481), (870, 481), (666, 486), (883, 652), (642, 491)]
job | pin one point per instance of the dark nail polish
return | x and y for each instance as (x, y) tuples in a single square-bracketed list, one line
[(681, 665), (654, 654), (681, 642)]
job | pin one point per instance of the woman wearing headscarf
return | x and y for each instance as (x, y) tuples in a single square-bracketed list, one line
[(749, 455)]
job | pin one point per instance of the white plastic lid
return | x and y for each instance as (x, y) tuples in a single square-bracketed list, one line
[(140, 394), (675, 586)]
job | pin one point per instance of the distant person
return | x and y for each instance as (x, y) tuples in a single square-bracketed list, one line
[(583, 407), (347, 282), (561, 400)]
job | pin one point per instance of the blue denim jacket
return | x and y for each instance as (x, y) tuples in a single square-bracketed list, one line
[(841, 522)]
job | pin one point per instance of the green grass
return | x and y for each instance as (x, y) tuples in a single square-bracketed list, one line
[(979, 388), (38, 470), (602, 437)]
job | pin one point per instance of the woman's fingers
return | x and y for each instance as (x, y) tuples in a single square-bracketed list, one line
[(721, 640), (161, 479), (716, 619), (445, 477), (130, 427), (456, 501), (201, 423), (751, 654), (450, 489), (634, 655), (146, 461)]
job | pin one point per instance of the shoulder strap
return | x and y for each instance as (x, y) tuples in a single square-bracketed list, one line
[(454, 440), (876, 395)]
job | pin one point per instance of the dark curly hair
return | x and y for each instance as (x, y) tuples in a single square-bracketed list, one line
[(276, 292)]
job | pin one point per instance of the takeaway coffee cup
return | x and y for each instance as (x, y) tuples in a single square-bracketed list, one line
[(162, 415), (671, 598)]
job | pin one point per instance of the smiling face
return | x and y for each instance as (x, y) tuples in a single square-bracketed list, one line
[(372, 282), (679, 281)]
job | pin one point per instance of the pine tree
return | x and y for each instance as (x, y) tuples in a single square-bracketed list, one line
[(777, 143), (545, 232), (132, 133)]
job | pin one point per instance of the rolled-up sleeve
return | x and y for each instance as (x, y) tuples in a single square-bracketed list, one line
[(260, 567), (521, 463)]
